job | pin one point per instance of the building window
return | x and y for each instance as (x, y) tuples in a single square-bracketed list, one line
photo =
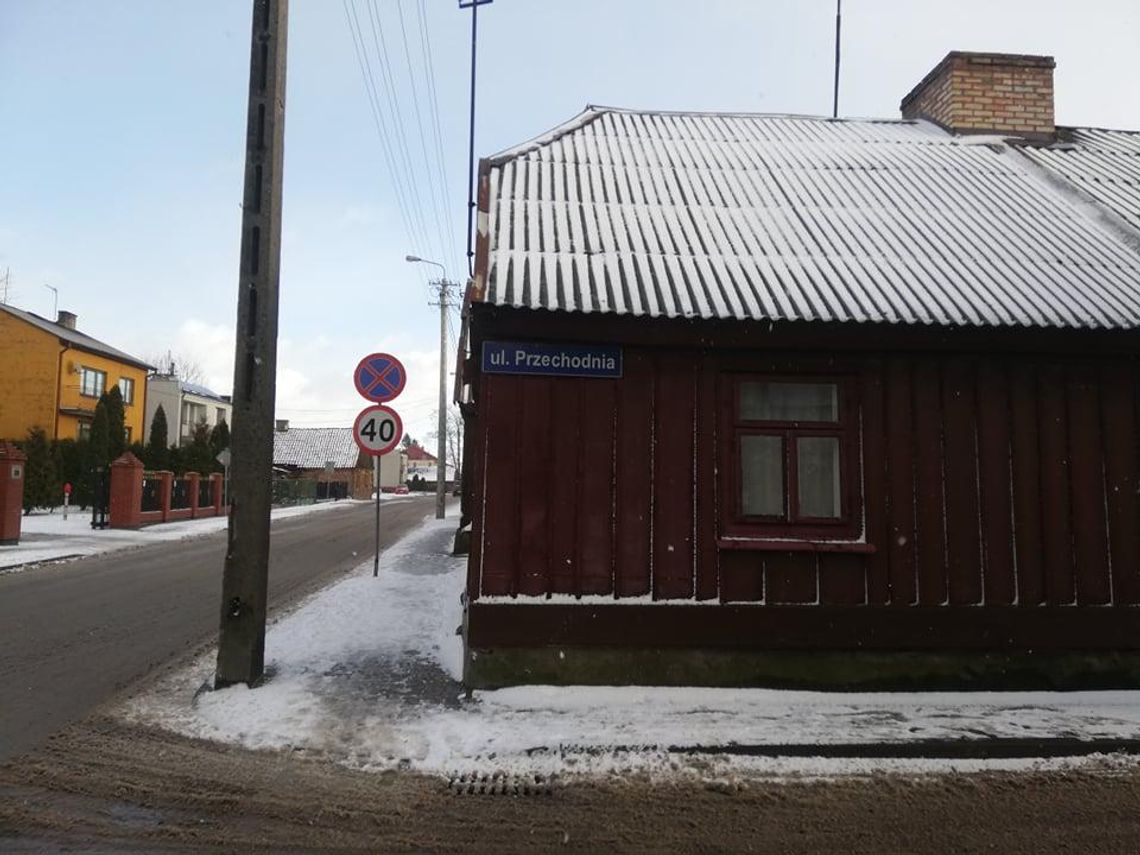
[(793, 470), (92, 382), (84, 430), (127, 389), (127, 434)]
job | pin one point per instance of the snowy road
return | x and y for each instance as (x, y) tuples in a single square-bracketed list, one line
[(72, 635)]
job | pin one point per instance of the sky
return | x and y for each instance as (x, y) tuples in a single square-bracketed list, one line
[(122, 143)]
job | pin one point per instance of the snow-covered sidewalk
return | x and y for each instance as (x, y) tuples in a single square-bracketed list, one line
[(366, 672), (49, 537)]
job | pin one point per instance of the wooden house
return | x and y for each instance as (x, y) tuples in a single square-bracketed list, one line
[(784, 400)]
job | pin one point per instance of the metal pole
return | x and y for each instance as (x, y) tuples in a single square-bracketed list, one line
[(835, 90), (241, 644), (471, 145), (441, 446), (376, 481)]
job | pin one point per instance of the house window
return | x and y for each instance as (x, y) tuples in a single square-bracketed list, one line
[(84, 430), (92, 382), (127, 389), (793, 469)]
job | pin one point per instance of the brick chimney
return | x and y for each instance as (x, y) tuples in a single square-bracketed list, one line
[(987, 93), (67, 319)]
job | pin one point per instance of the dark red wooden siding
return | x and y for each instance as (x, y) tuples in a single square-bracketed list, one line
[(986, 480)]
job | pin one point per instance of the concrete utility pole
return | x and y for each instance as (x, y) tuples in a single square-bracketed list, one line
[(441, 446), (441, 430), (241, 645)]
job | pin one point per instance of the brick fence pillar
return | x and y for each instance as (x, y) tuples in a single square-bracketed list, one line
[(192, 479), (216, 482), (126, 492), (165, 486), (11, 493)]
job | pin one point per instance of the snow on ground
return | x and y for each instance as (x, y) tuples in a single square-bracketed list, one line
[(49, 537), (366, 672)]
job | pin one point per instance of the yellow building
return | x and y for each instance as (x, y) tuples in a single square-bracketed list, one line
[(51, 376)]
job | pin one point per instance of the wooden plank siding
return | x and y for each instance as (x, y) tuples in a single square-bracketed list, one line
[(999, 481)]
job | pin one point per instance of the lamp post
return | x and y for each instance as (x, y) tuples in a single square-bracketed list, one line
[(441, 430)]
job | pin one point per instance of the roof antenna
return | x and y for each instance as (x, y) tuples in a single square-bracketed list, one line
[(835, 91), (473, 5), (55, 294)]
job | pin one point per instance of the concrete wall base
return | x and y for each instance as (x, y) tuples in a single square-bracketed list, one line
[(462, 543), (829, 670)]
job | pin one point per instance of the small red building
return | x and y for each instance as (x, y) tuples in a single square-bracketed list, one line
[(788, 400)]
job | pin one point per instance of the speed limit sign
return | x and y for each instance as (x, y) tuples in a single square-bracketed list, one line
[(377, 430)]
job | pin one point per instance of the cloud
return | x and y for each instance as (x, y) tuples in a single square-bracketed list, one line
[(314, 376), (359, 215)]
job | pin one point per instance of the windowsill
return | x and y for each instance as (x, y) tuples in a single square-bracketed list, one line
[(770, 545)]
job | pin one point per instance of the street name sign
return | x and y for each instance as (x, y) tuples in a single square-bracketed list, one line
[(379, 377), (377, 430), (558, 360)]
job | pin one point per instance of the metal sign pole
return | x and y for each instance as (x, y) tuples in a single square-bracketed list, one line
[(376, 481), (377, 429)]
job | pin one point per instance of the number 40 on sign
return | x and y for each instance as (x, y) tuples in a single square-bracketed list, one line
[(377, 430)]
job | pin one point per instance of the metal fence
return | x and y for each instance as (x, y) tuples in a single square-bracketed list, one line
[(180, 494), (152, 494), (205, 493), (332, 490), (294, 491)]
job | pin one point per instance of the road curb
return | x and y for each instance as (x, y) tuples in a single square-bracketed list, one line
[(53, 560), (934, 749)]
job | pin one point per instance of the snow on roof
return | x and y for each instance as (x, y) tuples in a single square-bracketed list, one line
[(200, 390), (82, 341), (745, 216), (1104, 164), (311, 448)]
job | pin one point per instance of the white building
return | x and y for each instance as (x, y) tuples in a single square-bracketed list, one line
[(186, 405)]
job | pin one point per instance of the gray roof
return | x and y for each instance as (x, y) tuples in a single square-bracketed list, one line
[(311, 448), (1104, 164), (741, 216), (74, 337), (201, 391)]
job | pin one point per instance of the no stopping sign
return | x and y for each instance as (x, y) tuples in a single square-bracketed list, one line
[(377, 430)]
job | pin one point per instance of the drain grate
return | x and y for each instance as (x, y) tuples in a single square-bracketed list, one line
[(500, 784)]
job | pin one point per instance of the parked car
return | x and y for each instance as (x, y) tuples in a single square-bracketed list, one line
[(402, 490)]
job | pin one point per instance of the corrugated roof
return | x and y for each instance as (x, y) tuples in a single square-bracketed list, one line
[(311, 448), (746, 216), (1104, 164), (74, 337)]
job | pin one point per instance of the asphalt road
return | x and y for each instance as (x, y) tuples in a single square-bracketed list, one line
[(73, 635)]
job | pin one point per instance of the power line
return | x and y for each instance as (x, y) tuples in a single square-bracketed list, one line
[(420, 127), (433, 97), (369, 80), (388, 81)]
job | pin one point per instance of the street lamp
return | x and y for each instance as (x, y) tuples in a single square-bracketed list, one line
[(441, 430), (415, 259)]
